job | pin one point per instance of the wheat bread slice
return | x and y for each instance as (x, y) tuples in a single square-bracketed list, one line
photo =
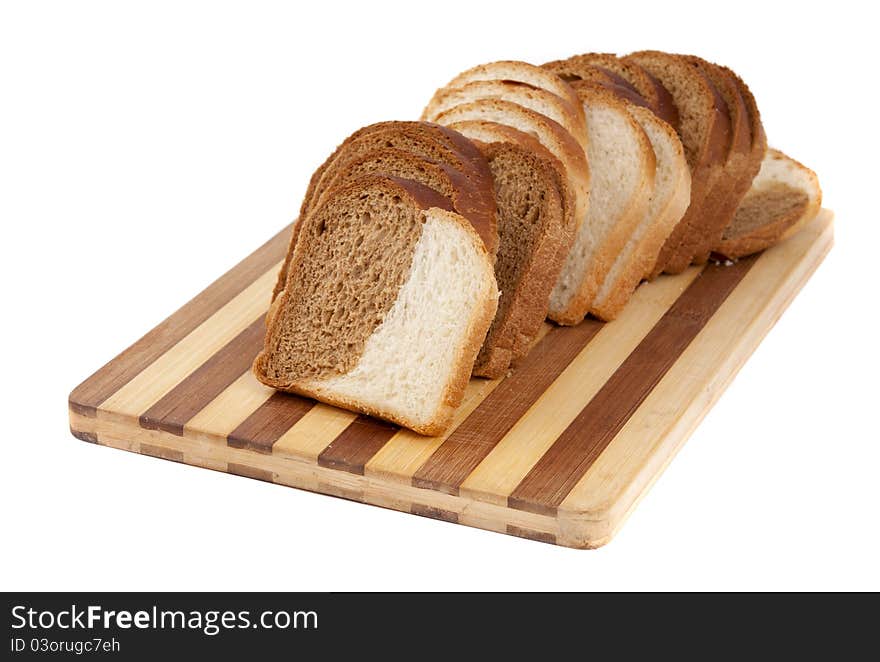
[(429, 141), (734, 182), (387, 301), (518, 72), (785, 196), (704, 131), (550, 134), (533, 237), (535, 98), (623, 166), (669, 201)]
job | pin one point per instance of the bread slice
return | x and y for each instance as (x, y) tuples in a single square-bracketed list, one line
[(728, 191), (517, 72), (534, 237), (783, 198), (429, 141), (387, 301), (669, 201), (550, 134), (704, 131), (537, 99), (623, 166)]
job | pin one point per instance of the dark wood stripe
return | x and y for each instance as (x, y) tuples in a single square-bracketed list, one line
[(86, 397), (259, 431), (572, 454), (479, 433), (434, 513), (161, 452), (250, 472), (90, 437), (357, 444), (209, 380), (530, 534)]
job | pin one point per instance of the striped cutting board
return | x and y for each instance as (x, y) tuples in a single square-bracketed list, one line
[(559, 451)]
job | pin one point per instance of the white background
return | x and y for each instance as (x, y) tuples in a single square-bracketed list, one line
[(147, 147)]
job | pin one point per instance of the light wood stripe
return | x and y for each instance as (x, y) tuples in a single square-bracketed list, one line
[(274, 417), (509, 462), (144, 390), (86, 397), (634, 458), (471, 442), (227, 411), (210, 379), (566, 461), (313, 433), (406, 451)]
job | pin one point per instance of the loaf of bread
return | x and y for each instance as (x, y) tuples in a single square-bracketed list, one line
[(386, 302), (429, 251), (783, 198)]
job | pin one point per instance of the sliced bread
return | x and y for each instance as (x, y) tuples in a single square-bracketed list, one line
[(729, 189), (430, 141), (550, 134), (626, 78), (534, 235), (534, 98), (623, 166), (387, 300), (517, 72), (704, 131), (669, 201), (785, 195)]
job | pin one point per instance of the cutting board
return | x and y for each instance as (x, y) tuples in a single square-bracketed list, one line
[(559, 451)]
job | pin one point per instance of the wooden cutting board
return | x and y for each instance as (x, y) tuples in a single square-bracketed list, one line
[(559, 451)]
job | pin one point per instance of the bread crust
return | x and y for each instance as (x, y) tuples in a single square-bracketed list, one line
[(554, 138), (470, 160), (539, 100), (519, 72)]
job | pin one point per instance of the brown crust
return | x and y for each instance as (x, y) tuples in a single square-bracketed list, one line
[(424, 198), (525, 308), (704, 161), (718, 151), (732, 183), (580, 72), (565, 147), (472, 164), (467, 200), (519, 72), (561, 110)]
